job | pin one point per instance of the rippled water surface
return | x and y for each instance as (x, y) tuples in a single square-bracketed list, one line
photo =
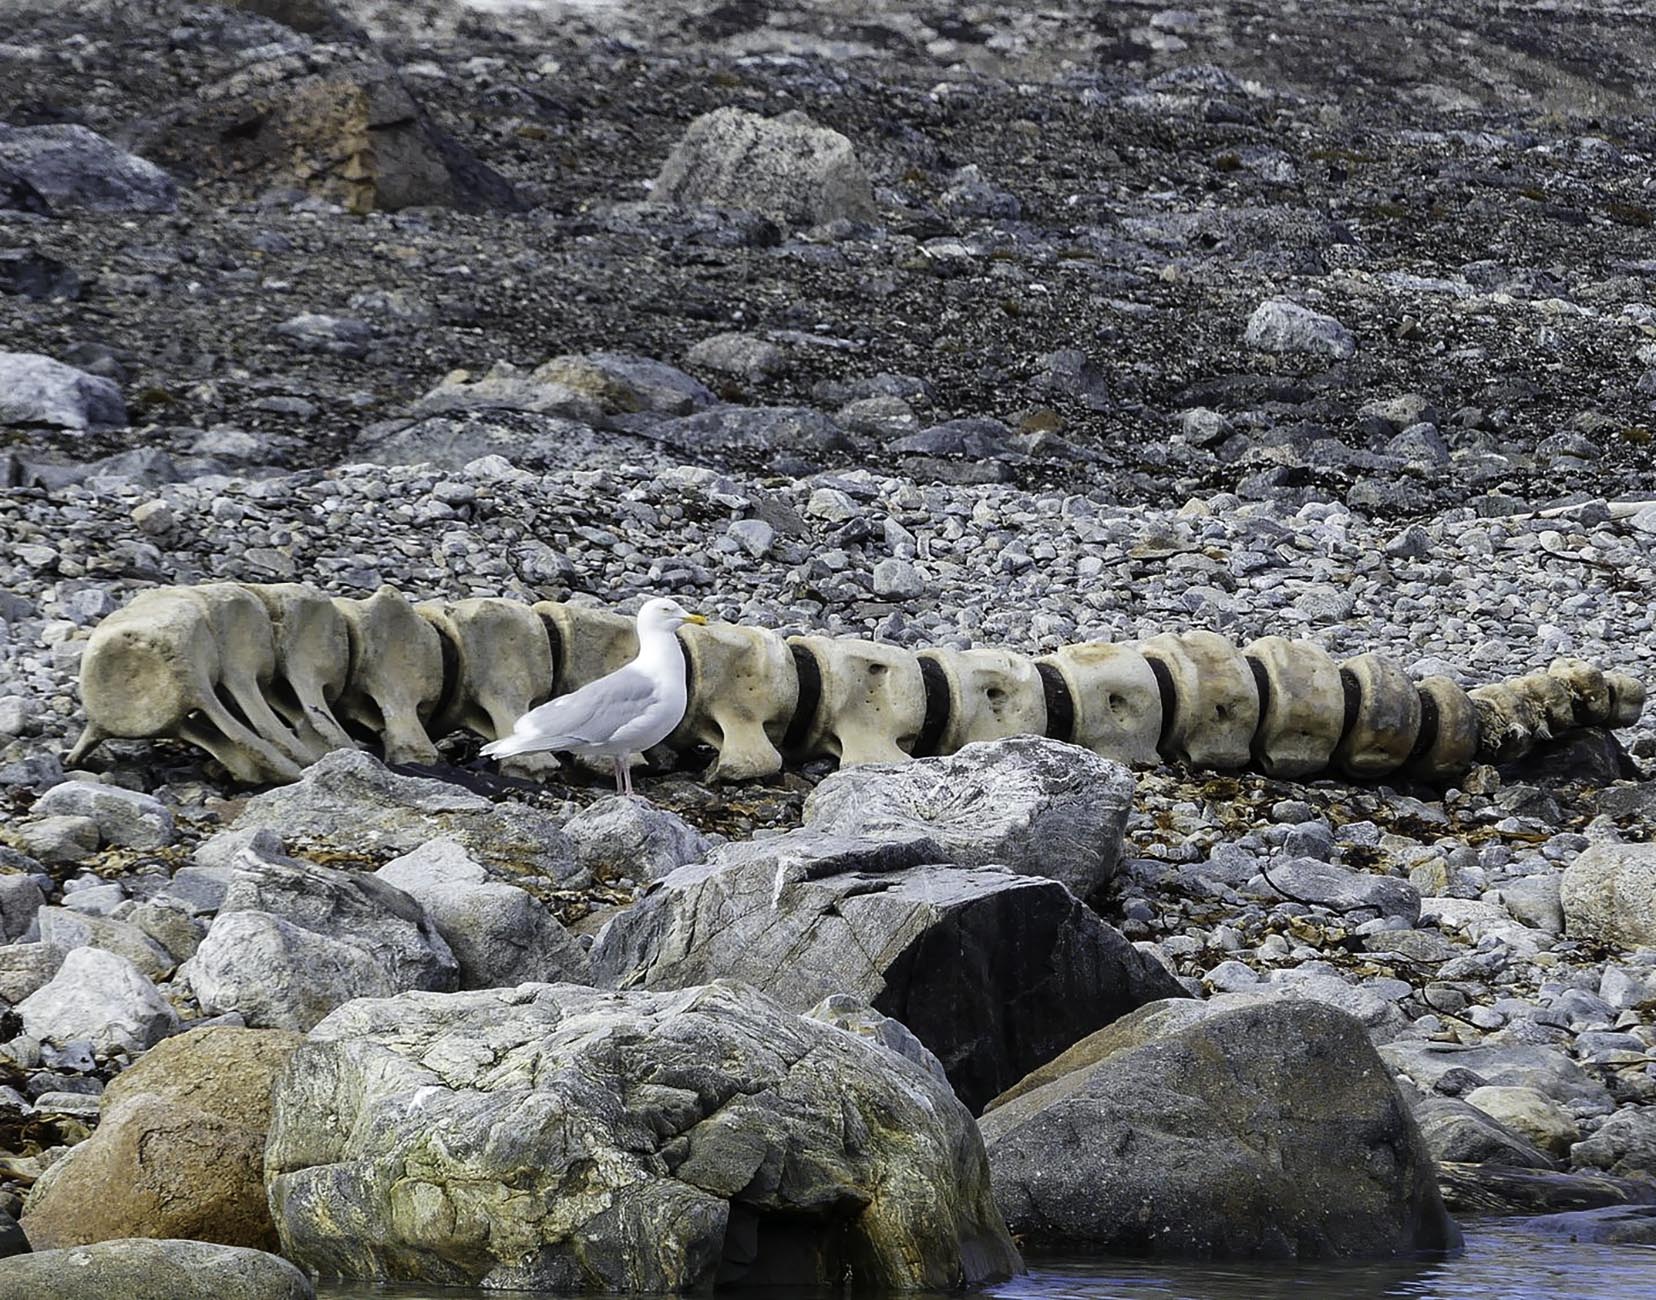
[(1501, 1262)]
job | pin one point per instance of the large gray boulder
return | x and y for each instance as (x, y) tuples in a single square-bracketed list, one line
[(561, 1138), (623, 383), (36, 390), (349, 799), (1609, 895), (294, 940), (142, 1269), (102, 998), (498, 933), (1278, 325), (1036, 806), (786, 167), (993, 971), (73, 169), (1273, 1131)]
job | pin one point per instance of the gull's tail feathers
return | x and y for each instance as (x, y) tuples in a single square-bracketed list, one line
[(518, 743)]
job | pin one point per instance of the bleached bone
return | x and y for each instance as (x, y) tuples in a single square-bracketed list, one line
[(1215, 700), (1301, 706), (501, 664), (1449, 728), (1587, 687), (396, 674), (1627, 699), (871, 700), (257, 676), (156, 668), (993, 693), (1554, 705), (590, 643), (1507, 722), (1115, 704), (313, 657), (247, 657), (1383, 717), (744, 688)]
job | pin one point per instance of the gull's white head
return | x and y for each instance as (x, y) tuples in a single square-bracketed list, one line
[(664, 614)]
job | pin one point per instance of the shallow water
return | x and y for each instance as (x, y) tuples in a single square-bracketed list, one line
[(1501, 1262)]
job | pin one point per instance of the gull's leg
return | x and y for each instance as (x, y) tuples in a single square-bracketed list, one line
[(626, 766), (620, 770)]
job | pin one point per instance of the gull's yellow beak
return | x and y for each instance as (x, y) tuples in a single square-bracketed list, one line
[(700, 620)]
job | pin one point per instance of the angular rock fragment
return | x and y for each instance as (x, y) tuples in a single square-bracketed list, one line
[(1036, 806), (994, 972), (294, 940), (74, 169), (36, 390), (102, 998), (786, 167), (499, 934)]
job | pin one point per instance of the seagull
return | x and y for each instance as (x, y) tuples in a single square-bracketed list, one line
[(621, 714)]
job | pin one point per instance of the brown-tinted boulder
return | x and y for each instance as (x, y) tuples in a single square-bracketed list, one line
[(179, 1151), (221, 1070), (154, 1169)]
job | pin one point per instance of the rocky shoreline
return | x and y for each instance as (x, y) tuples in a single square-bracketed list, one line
[(1021, 329)]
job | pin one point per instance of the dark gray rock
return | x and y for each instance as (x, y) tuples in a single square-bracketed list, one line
[(12, 1240), (1037, 806), (34, 275), (994, 972), (74, 169), (1270, 1132), (752, 430), (1501, 1189), (636, 1142), (1609, 1225)]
